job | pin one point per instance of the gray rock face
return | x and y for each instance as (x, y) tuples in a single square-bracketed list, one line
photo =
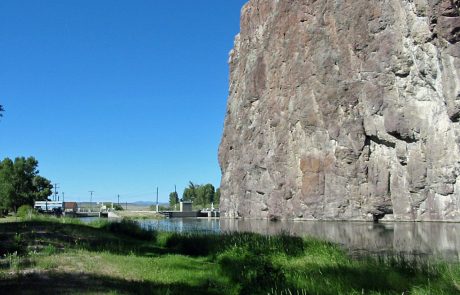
[(344, 109)]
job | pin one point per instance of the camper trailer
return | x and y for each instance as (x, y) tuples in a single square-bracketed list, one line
[(51, 207)]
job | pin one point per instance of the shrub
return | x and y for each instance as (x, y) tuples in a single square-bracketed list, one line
[(118, 207), (25, 211)]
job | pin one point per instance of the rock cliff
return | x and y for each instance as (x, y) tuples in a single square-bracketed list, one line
[(344, 109)]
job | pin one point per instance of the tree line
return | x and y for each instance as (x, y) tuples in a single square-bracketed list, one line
[(200, 195), (21, 184)]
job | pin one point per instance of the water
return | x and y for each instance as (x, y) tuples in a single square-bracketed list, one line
[(88, 219), (440, 240), (183, 225)]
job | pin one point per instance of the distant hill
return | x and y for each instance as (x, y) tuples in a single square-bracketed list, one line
[(144, 203)]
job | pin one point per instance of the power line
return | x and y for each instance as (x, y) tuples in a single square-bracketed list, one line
[(157, 198)]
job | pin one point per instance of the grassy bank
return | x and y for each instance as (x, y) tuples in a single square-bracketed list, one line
[(7, 219), (65, 256)]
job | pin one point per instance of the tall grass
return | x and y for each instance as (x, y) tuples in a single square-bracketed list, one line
[(198, 244), (130, 228), (233, 263), (283, 264)]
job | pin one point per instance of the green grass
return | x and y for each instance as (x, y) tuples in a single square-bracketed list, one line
[(65, 256)]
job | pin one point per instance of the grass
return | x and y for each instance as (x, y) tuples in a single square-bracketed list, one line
[(6, 219), (65, 256)]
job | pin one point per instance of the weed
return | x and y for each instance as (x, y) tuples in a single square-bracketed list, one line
[(13, 260), (25, 211), (49, 250)]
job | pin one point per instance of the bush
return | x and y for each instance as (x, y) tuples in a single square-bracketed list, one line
[(118, 207), (25, 211)]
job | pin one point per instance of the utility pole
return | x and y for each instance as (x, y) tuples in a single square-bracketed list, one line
[(176, 198), (55, 191), (157, 199), (63, 200), (91, 201), (118, 200)]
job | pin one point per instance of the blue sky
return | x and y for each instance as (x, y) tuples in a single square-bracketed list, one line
[(116, 96)]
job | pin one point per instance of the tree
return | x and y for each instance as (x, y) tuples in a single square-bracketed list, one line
[(173, 199), (20, 183), (42, 188), (202, 195), (190, 192), (217, 198), (118, 207), (205, 194), (6, 184), (209, 193)]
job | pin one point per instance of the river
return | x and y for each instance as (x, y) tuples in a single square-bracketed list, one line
[(425, 240), (428, 239)]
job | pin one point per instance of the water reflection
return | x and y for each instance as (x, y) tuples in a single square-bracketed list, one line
[(418, 239), (183, 225), (409, 239)]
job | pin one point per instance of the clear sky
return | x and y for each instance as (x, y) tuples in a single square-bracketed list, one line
[(116, 96)]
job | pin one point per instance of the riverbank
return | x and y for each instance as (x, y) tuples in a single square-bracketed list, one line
[(52, 254)]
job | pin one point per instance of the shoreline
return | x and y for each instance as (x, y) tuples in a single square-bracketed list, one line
[(115, 257), (340, 220), (136, 215)]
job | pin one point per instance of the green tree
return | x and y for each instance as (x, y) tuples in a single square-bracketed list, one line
[(209, 193), (201, 195), (217, 198), (118, 207), (190, 192), (173, 199), (20, 183), (6, 184), (205, 194), (199, 199), (42, 188)]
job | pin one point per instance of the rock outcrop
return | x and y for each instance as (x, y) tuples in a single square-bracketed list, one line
[(344, 109)]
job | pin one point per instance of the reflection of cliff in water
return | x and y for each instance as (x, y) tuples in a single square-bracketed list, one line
[(420, 239)]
